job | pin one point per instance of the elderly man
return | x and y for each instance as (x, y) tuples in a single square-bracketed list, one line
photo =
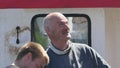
[(65, 54)]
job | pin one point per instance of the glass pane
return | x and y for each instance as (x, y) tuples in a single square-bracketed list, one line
[(39, 32), (79, 31)]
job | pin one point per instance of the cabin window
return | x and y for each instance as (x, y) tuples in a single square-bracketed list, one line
[(80, 25)]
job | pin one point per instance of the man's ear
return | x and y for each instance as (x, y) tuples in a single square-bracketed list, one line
[(47, 30), (28, 57)]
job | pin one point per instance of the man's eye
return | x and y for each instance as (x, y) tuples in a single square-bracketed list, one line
[(61, 24)]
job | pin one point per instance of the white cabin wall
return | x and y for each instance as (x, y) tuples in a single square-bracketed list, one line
[(10, 18), (113, 36)]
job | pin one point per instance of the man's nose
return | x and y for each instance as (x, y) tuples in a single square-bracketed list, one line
[(66, 26)]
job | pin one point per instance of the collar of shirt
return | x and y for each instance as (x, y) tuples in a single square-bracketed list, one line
[(59, 52)]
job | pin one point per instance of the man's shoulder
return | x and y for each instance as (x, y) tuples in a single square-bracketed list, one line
[(80, 45)]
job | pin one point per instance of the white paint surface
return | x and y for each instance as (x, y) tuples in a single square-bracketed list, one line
[(10, 18)]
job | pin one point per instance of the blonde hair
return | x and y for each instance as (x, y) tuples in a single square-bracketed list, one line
[(36, 49)]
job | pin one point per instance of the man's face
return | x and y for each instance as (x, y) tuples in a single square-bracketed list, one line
[(60, 28)]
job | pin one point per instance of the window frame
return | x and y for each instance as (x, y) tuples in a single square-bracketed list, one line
[(67, 15)]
